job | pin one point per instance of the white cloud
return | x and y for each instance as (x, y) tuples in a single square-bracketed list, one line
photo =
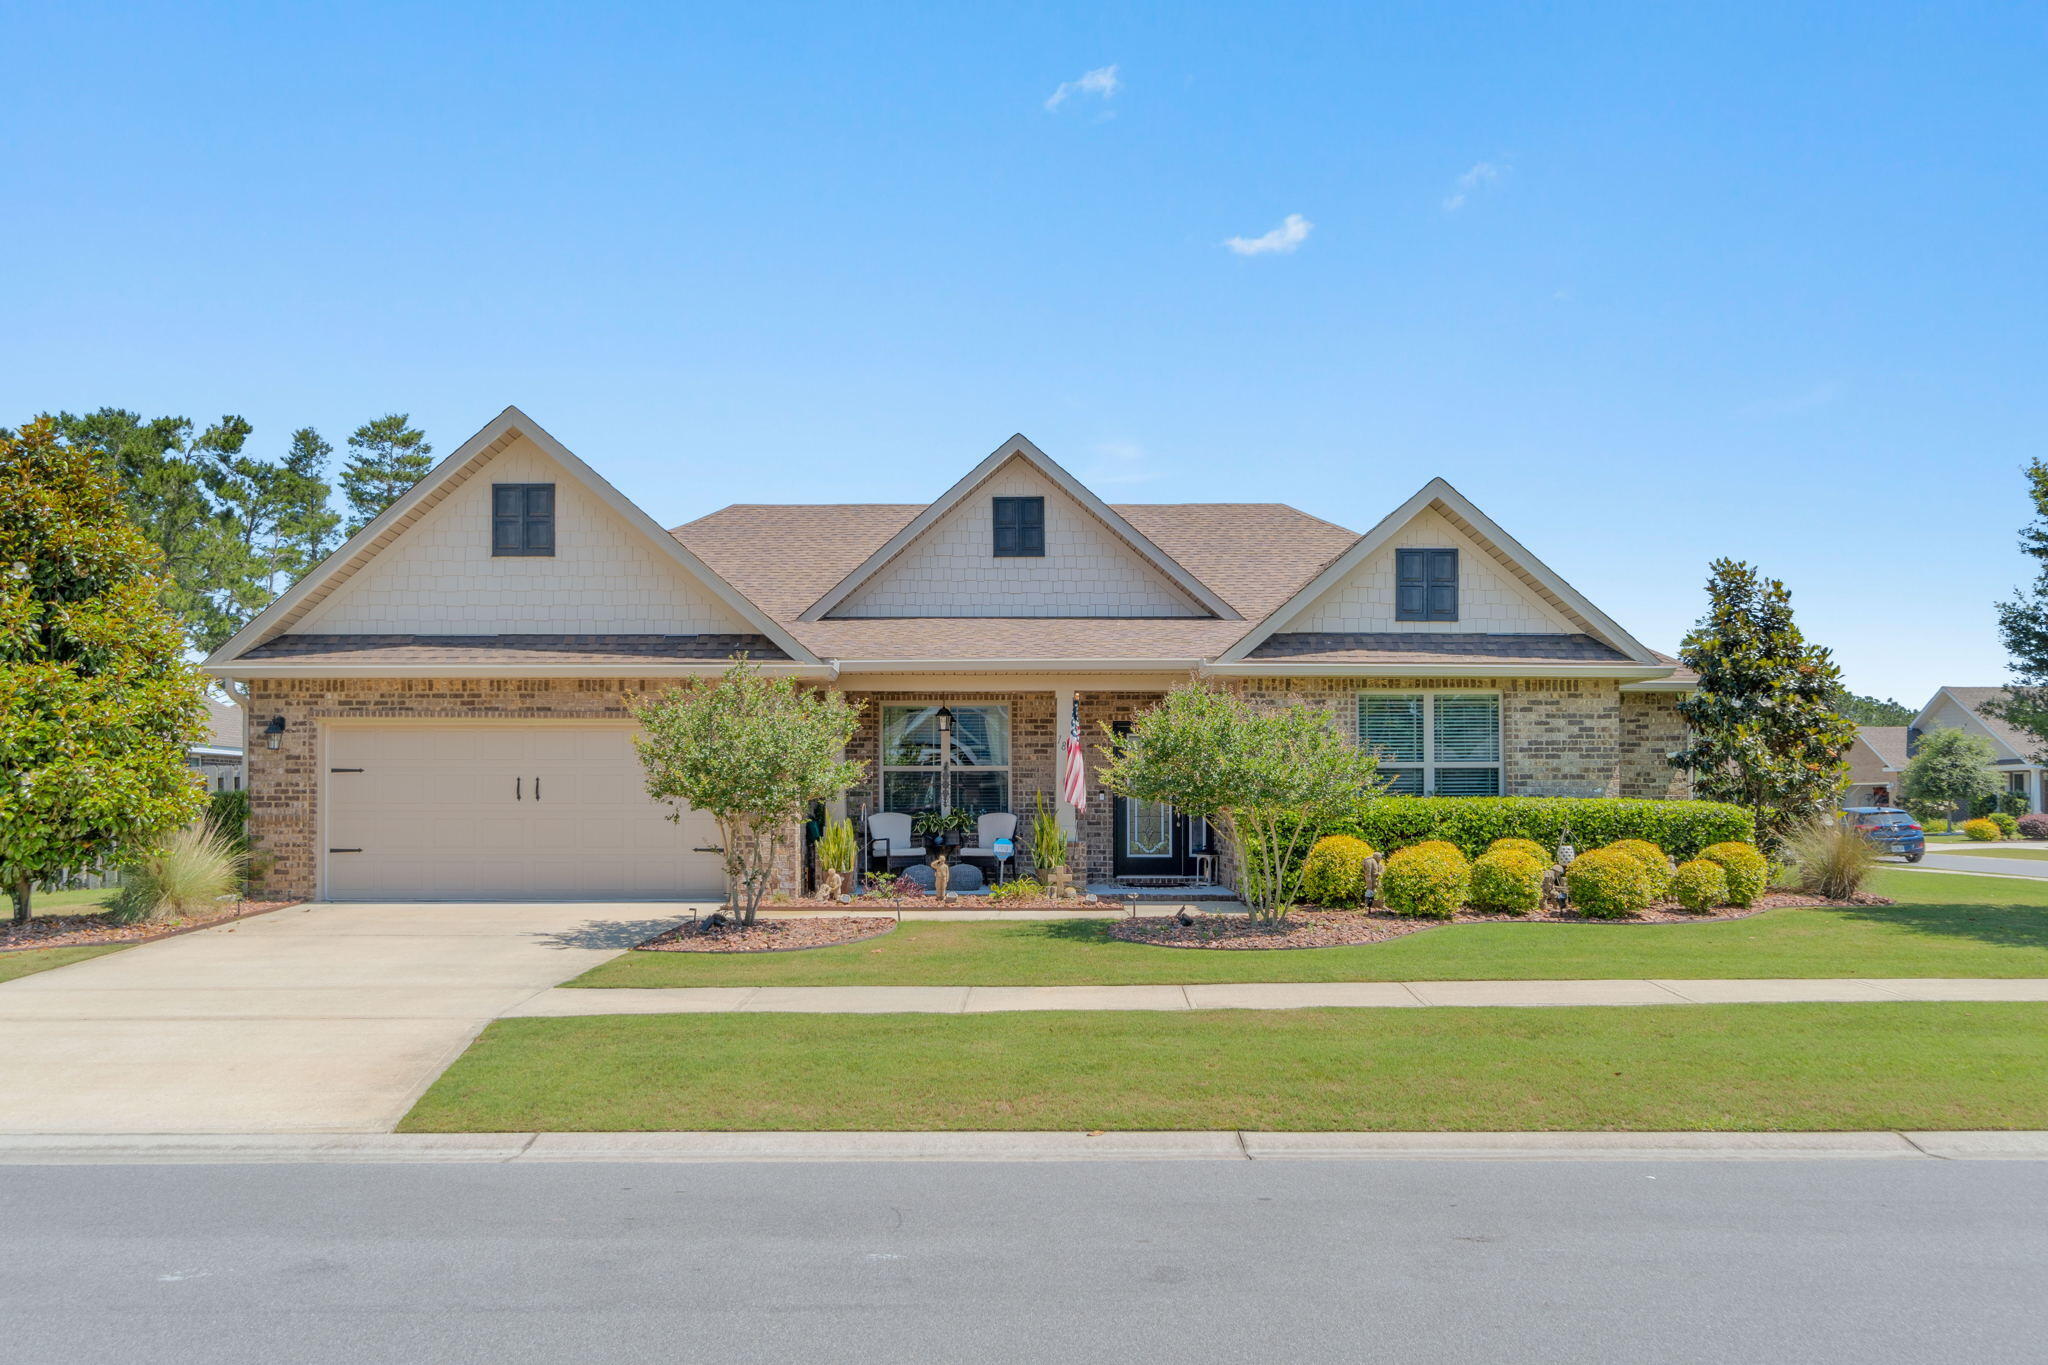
[(1481, 175), (1101, 81), (1291, 233)]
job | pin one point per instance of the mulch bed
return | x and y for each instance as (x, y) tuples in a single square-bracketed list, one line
[(73, 931), (929, 902), (766, 936), (1348, 928)]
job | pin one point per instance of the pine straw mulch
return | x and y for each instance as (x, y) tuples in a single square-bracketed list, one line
[(96, 928), (765, 936), (1347, 928), (958, 900)]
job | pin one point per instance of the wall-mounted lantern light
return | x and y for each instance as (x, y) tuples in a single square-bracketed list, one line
[(273, 733)]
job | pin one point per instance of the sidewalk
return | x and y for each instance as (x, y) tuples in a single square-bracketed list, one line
[(1227, 1145), (564, 1003)]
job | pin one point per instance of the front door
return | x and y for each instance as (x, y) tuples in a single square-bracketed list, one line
[(1152, 839)]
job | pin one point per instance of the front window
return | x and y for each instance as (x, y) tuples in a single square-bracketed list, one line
[(931, 763), (1434, 743)]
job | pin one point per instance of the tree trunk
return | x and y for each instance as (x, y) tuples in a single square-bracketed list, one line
[(21, 892)]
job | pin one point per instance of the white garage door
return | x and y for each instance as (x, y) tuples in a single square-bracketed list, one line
[(486, 812)]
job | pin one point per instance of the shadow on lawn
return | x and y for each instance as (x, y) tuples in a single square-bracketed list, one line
[(610, 933), (2002, 925)]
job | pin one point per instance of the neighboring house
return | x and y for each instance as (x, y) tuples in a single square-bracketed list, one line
[(1876, 760), (2012, 750), (447, 692), (219, 759)]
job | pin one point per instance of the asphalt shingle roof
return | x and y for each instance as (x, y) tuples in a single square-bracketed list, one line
[(354, 651), (1388, 647)]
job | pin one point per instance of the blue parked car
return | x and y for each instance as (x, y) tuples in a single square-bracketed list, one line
[(1889, 830)]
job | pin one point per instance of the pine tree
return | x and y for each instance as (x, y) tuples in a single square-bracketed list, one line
[(1764, 731), (390, 457), (97, 702), (1872, 710), (2023, 626)]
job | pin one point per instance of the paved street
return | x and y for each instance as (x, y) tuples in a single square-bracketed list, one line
[(1951, 857), (1818, 1261)]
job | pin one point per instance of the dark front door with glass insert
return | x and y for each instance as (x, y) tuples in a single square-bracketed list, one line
[(1152, 839)]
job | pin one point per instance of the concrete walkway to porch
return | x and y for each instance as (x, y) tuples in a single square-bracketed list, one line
[(564, 1003)]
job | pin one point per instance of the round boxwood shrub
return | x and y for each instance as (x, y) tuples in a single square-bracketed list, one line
[(1607, 884), (1699, 885), (1653, 860), (1744, 867), (2032, 826), (1331, 873), (1981, 831), (1528, 846), (2008, 825), (1507, 881), (1429, 880)]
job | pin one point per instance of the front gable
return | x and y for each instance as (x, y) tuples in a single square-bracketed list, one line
[(1088, 561), (425, 569)]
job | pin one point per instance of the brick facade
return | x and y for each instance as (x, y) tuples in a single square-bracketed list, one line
[(1652, 729)]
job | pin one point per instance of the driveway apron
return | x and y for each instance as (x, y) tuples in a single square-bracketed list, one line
[(318, 1018)]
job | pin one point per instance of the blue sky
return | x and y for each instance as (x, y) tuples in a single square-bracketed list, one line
[(1649, 285)]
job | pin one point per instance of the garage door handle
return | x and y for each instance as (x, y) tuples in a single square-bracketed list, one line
[(536, 789), (344, 850), (707, 848), (516, 784)]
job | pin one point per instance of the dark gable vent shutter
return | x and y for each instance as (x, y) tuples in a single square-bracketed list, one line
[(1411, 592), (1443, 585), (508, 530), (540, 517)]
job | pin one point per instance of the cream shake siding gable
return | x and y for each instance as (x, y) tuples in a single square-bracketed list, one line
[(440, 577), (1490, 602), (950, 570)]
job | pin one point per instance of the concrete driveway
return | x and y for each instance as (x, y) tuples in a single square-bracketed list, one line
[(319, 1018)]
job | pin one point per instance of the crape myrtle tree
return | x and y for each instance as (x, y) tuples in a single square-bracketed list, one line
[(1265, 777), (1764, 729), (753, 753), (2023, 626), (97, 701), (1949, 769)]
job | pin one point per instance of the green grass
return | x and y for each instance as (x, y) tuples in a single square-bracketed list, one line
[(29, 961), (1993, 851), (1945, 925), (69, 902), (1729, 1067)]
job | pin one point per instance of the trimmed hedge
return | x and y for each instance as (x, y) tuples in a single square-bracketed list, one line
[(1746, 870), (1653, 860), (1607, 883), (2033, 826), (2008, 825), (1473, 823), (1429, 880), (1333, 870), (1700, 885), (1982, 831), (1507, 881)]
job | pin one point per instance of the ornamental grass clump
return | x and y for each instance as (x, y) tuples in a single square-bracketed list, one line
[(191, 872), (1980, 831), (1699, 886), (1746, 870), (1515, 845), (1507, 881), (1831, 861), (1606, 884), (1429, 880), (1333, 874)]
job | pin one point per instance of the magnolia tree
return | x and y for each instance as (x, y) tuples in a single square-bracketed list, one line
[(97, 702), (1266, 777), (753, 753)]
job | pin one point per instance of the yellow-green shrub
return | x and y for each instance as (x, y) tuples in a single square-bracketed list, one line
[(1700, 885), (1528, 846), (1429, 880), (1507, 880), (1744, 867), (1652, 859), (1332, 872), (1606, 884), (1981, 831)]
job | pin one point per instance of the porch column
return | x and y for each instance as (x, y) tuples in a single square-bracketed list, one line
[(1063, 718)]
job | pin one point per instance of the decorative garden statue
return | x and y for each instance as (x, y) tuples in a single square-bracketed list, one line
[(1553, 887), (942, 876), (1058, 882), (833, 884), (1369, 878)]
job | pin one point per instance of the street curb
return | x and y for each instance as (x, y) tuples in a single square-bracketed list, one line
[(388, 1148)]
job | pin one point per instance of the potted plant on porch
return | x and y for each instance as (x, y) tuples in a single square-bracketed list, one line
[(942, 828), (1048, 847)]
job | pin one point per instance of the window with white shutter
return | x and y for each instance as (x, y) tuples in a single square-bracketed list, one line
[(1434, 743)]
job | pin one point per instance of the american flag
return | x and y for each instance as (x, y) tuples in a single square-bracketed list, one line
[(1075, 790)]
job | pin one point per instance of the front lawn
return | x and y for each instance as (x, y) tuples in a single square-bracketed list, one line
[(1686, 1067), (29, 961), (1944, 925)]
